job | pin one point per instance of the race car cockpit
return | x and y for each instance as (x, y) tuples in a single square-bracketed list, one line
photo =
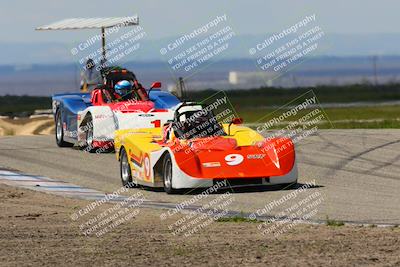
[(191, 120), (112, 76)]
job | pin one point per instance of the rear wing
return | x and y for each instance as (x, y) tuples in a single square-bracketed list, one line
[(92, 23)]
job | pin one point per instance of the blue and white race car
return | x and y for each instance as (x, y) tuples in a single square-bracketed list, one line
[(90, 119)]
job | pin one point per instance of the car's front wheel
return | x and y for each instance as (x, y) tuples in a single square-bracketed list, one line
[(87, 128), (125, 169), (167, 175), (89, 132)]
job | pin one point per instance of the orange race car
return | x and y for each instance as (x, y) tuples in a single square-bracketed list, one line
[(194, 150)]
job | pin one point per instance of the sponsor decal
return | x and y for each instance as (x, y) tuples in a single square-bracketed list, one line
[(102, 116), (136, 160), (256, 156), (145, 115), (211, 164)]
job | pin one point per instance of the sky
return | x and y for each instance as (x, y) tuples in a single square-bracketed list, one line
[(162, 19), (351, 27)]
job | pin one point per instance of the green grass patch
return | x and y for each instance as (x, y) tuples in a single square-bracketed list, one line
[(385, 124), (259, 105), (237, 219), (268, 96), (22, 105), (254, 105), (375, 117), (332, 222)]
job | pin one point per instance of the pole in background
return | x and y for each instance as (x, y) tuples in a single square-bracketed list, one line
[(181, 88), (103, 43)]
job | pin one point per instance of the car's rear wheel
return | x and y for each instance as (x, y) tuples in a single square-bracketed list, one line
[(125, 169), (60, 131), (167, 175)]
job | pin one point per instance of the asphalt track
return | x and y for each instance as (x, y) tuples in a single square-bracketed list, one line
[(357, 174)]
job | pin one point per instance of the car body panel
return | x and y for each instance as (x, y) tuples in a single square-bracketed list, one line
[(244, 154)]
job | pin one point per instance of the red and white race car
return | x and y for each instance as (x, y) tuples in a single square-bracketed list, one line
[(90, 119)]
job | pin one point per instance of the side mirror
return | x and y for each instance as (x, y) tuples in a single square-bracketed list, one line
[(156, 85), (235, 121)]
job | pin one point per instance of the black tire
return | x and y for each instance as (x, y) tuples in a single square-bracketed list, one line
[(167, 175), (89, 131), (60, 131), (125, 170), (89, 134)]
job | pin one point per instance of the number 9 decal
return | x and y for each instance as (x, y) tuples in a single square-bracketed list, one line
[(147, 166), (233, 159)]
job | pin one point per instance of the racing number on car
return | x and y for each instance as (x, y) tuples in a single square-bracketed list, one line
[(233, 159), (157, 123), (146, 166)]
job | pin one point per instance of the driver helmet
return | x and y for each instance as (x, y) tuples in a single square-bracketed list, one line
[(123, 88), (90, 64)]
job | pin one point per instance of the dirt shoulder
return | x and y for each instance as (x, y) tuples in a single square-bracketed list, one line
[(26, 126), (36, 229)]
